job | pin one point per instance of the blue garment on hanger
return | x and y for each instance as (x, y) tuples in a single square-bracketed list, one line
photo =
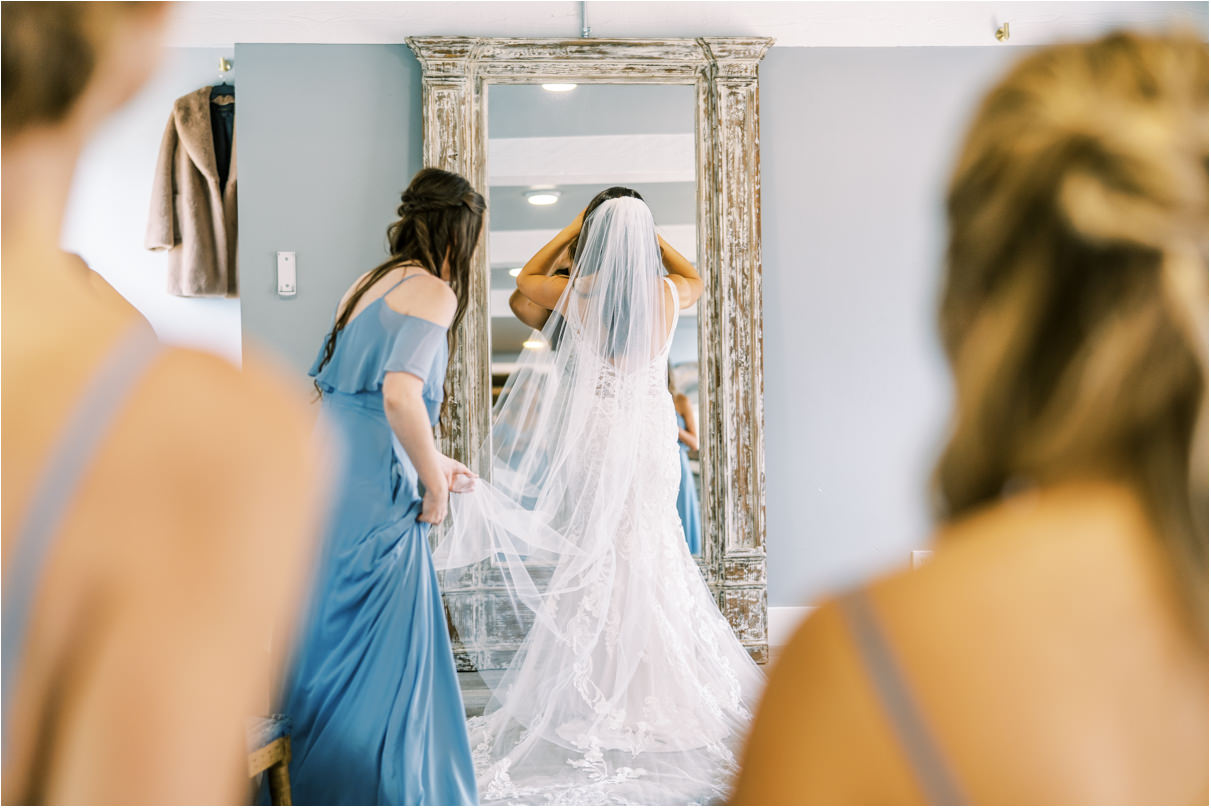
[(687, 498), (373, 694)]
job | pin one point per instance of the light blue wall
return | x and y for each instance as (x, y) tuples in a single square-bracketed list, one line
[(328, 137), (856, 146)]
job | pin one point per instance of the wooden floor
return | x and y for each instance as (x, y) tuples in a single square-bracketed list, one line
[(475, 690)]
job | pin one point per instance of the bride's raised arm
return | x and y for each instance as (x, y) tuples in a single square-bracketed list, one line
[(535, 282), (682, 273)]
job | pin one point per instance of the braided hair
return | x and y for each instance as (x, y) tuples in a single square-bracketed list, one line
[(1074, 307), (440, 217)]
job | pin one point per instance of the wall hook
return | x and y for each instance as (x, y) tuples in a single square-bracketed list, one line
[(1003, 32)]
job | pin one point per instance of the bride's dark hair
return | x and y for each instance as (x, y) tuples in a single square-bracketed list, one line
[(609, 193)]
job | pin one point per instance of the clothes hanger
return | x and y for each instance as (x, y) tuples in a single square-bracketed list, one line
[(224, 89)]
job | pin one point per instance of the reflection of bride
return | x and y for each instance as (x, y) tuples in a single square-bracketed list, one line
[(629, 686)]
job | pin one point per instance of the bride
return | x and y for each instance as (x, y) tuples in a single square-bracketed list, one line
[(629, 686)]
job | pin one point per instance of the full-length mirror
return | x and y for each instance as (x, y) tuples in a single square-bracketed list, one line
[(544, 127), (552, 147)]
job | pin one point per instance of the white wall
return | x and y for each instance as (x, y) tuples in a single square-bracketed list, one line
[(107, 214)]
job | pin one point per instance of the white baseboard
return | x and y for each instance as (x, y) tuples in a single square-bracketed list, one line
[(782, 621)]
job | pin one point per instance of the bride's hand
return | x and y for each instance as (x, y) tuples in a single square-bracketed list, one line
[(578, 222)]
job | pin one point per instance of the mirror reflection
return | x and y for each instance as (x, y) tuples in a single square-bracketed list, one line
[(551, 149)]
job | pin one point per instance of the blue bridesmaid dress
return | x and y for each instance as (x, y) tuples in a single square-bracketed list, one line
[(687, 499), (373, 694)]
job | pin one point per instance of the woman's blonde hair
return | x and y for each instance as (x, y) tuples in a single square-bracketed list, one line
[(1074, 312)]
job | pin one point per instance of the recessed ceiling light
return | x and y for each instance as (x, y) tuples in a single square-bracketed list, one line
[(515, 271), (534, 345), (559, 88), (542, 197)]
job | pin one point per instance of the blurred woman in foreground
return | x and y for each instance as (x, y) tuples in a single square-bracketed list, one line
[(159, 507), (1055, 648)]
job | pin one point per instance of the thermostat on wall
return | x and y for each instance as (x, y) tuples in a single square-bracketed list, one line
[(287, 275)]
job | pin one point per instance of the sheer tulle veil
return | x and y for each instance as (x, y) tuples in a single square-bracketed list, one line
[(628, 686)]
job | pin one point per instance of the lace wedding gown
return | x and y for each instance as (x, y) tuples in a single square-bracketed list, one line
[(629, 686)]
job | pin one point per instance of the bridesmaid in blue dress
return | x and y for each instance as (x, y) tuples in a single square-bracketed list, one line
[(373, 694), (687, 497)]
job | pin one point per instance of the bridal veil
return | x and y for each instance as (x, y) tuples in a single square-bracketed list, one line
[(629, 686)]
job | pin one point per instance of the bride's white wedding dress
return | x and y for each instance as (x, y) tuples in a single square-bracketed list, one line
[(629, 686)]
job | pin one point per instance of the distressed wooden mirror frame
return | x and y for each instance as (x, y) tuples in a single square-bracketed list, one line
[(723, 70)]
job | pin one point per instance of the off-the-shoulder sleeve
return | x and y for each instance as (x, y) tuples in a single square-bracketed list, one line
[(415, 347)]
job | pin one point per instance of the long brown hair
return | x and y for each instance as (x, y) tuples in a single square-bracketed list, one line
[(1074, 311), (440, 217)]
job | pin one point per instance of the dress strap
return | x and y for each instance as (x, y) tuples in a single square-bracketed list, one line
[(668, 342), (676, 294), (924, 755), (402, 281), (61, 474)]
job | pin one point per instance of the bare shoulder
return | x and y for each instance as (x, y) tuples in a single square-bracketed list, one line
[(240, 440), (216, 396), (195, 527), (424, 296), (1038, 615), (1033, 617), (819, 737), (821, 717)]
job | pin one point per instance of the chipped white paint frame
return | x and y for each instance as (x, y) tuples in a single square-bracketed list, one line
[(723, 70)]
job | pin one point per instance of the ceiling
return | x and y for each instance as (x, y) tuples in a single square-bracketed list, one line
[(671, 203), (794, 24)]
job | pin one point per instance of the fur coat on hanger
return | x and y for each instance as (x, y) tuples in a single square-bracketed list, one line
[(190, 216)]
